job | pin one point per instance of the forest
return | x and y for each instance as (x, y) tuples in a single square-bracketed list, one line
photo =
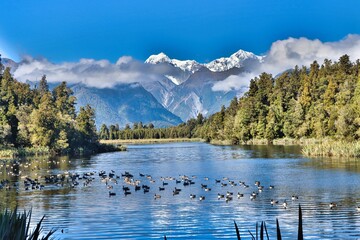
[(43, 119), (318, 101)]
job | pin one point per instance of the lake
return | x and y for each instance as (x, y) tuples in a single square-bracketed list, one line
[(83, 209)]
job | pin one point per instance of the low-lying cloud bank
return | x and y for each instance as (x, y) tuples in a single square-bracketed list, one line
[(285, 54), (94, 73)]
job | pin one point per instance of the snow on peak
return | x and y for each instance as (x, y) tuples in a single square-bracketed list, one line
[(218, 65), (186, 65), (159, 58), (235, 60)]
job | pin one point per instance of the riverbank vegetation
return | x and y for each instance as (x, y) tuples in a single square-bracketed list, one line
[(332, 148), (16, 226), (315, 102), (35, 120), (121, 142)]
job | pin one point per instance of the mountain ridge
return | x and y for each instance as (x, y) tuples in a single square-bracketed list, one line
[(221, 64)]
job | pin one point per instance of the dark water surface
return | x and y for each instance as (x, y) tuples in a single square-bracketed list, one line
[(88, 212)]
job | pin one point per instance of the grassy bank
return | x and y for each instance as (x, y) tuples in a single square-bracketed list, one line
[(332, 148), (24, 152), (263, 141), (148, 141)]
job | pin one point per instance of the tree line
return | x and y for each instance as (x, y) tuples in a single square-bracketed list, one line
[(308, 102), (38, 117), (141, 131)]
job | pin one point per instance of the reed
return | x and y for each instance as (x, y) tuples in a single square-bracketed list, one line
[(263, 230), (332, 148), (16, 226), (24, 152)]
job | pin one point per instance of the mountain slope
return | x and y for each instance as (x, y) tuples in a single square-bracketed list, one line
[(124, 104), (196, 95)]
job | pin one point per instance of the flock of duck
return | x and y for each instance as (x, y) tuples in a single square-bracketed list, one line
[(144, 183)]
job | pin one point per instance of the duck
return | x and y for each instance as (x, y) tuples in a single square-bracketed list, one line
[(273, 202), (239, 195), (202, 198), (112, 193), (228, 198), (220, 195), (157, 196), (252, 196), (285, 204), (358, 208), (332, 205), (271, 187), (294, 197), (192, 196)]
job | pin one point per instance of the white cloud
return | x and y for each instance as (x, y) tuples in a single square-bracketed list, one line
[(233, 82), (286, 54), (95, 73)]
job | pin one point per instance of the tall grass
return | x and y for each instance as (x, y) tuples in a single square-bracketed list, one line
[(332, 148), (24, 152), (263, 230), (16, 226)]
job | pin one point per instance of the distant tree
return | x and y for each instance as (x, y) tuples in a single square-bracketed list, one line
[(345, 64), (104, 132), (199, 119)]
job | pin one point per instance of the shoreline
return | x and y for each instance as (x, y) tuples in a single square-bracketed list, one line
[(150, 141)]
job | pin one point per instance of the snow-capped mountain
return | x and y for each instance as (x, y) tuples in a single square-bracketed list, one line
[(185, 65), (237, 59), (158, 58), (192, 93)]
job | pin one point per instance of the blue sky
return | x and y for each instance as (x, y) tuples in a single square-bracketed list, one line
[(69, 30)]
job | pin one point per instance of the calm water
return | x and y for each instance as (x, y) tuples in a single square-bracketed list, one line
[(88, 212)]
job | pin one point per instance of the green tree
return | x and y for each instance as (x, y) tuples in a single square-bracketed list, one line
[(104, 132), (87, 128), (43, 122)]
